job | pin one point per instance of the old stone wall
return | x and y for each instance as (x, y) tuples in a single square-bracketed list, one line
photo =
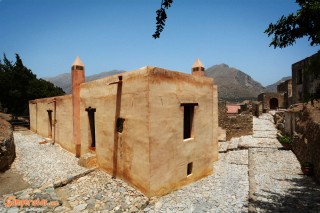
[(235, 125), (238, 125), (256, 108), (306, 143), (301, 123), (303, 83), (7, 147), (222, 111), (271, 101)]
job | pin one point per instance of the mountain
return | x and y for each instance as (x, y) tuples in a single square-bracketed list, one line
[(233, 84), (273, 87), (64, 80)]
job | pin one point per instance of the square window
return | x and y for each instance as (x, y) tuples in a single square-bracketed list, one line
[(189, 168)]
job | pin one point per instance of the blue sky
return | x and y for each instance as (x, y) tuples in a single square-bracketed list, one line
[(117, 34)]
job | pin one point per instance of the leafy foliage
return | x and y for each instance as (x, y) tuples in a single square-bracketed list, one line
[(18, 85), (285, 139), (306, 22), (161, 17)]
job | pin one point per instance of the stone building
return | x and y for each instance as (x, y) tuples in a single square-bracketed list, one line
[(152, 127), (285, 88), (271, 100), (304, 82)]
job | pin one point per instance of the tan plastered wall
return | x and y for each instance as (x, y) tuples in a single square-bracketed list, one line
[(169, 152), (151, 153), (62, 130), (33, 115), (215, 120), (42, 119), (133, 143)]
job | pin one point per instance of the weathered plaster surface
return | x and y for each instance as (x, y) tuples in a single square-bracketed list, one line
[(62, 127), (150, 152)]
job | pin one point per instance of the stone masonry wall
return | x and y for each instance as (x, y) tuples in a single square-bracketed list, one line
[(7, 147), (239, 125), (222, 112), (302, 124), (306, 143), (235, 126)]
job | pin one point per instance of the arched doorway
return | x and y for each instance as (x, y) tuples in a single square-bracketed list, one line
[(273, 103)]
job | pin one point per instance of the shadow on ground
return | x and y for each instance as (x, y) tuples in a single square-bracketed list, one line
[(303, 196), (11, 182)]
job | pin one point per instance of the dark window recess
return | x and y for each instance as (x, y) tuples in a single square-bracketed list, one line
[(299, 76), (189, 168), (188, 114), (50, 123), (92, 128), (76, 67), (119, 125)]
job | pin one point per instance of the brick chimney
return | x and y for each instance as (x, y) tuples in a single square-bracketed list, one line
[(198, 68), (78, 77)]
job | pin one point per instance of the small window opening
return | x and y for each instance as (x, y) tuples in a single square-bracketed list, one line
[(49, 123), (299, 76), (92, 128), (76, 67), (188, 114), (119, 125), (189, 168)]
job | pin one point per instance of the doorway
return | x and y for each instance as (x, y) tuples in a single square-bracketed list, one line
[(274, 104)]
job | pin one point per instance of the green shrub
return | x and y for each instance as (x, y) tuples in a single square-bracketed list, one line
[(285, 139)]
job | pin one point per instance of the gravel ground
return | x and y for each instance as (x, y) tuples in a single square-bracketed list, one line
[(254, 175), (43, 164)]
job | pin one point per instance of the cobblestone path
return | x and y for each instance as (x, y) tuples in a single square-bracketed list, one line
[(253, 174)]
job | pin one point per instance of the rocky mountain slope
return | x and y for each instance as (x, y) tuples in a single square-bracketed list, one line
[(233, 84), (64, 80), (273, 87)]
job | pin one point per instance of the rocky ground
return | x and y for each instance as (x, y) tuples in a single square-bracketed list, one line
[(253, 174)]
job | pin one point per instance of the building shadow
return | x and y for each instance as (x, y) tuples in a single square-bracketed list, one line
[(302, 196)]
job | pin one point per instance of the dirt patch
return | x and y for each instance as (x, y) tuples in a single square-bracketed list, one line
[(11, 182)]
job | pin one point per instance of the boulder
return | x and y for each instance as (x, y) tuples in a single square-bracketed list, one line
[(7, 147)]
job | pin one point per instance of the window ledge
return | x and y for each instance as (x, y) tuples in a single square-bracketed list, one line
[(188, 139)]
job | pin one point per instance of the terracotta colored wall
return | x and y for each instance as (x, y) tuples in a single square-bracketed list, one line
[(133, 142), (170, 153)]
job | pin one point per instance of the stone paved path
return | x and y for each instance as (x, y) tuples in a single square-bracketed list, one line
[(253, 174)]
